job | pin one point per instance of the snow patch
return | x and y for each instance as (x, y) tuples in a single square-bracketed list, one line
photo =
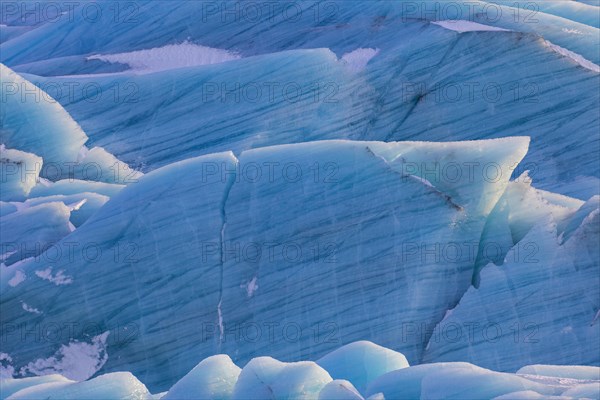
[(30, 309), (251, 287), (7, 371), (17, 278), (358, 59), (76, 360), (572, 31), (171, 56), (58, 279), (462, 26), (578, 58)]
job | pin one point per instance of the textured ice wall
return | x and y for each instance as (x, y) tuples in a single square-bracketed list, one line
[(32, 120), (327, 238)]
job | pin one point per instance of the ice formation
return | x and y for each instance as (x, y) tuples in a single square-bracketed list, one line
[(402, 243), (303, 227), (218, 378)]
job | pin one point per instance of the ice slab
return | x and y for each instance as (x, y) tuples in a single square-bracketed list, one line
[(115, 386), (265, 377), (450, 380), (505, 309), (19, 173), (360, 363), (32, 231), (33, 121), (214, 378)]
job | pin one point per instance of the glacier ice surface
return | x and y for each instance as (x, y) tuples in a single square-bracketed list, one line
[(360, 363), (214, 378)]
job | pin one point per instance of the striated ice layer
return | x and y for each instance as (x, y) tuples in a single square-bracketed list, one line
[(30, 232), (139, 242), (502, 83), (252, 102), (341, 247), (287, 243), (562, 276), (519, 209), (310, 24), (33, 121)]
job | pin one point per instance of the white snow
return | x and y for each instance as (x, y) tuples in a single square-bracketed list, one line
[(358, 59), (58, 279), (17, 278), (251, 287), (578, 58), (76, 360), (30, 309), (6, 369), (171, 56), (572, 31), (462, 26)]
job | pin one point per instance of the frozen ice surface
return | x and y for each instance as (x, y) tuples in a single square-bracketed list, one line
[(339, 389), (584, 391), (142, 235), (83, 205), (115, 386), (189, 114), (153, 19), (564, 277), (30, 232), (565, 371), (19, 173), (10, 386), (265, 377), (214, 378), (97, 164), (73, 187), (7, 208), (33, 121), (198, 110), (139, 241), (217, 377), (450, 381), (329, 241), (360, 363)]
